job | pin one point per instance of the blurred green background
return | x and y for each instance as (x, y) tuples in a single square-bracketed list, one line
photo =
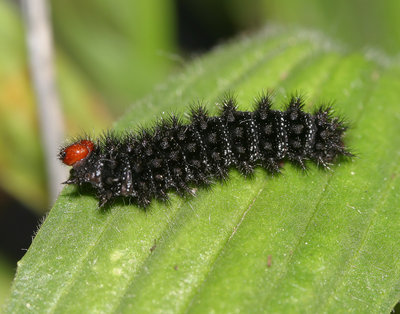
[(111, 53)]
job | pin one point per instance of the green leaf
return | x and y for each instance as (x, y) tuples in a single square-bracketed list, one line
[(321, 241), (124, 47), (359, 23), (6, 276)]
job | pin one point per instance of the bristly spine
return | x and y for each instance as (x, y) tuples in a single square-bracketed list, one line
[(175, 156)]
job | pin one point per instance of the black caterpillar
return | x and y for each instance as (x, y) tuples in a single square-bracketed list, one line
[(175, 156)]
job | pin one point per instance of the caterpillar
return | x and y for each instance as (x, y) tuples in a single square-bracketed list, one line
[(175, 156)]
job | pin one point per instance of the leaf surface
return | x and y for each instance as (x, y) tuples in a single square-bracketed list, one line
[(321, 241)]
